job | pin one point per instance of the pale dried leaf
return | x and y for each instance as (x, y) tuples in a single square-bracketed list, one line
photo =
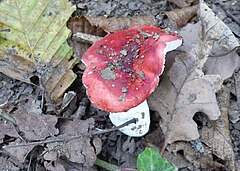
[(6, 164), (234, 114), (56, 166), (114, 24), (181, 94), (221, 65), (191, 34), (180, 3), (182, 16), (82, 25), (34, 124), (215, 139), (79, 150), (19, 152), (224, 41), (7, 128), (185, 90)]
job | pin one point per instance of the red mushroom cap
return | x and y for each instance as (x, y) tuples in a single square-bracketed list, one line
[(123, 68)]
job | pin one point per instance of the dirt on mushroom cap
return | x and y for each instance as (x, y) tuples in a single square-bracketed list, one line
[(131, 60)]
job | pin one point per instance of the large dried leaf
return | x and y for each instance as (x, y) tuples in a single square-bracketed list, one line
[(32, 123), (7, 164), (182, 16), (33, 43), (114, 24), (185, 90), (224, 42), (213, 149), (82, 25), (80, 150)]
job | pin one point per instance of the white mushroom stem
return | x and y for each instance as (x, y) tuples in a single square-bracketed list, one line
[(142, 116)]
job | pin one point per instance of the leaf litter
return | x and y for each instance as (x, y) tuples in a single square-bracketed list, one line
[(192, 90), (178, 86)]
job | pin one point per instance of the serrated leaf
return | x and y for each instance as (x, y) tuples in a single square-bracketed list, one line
[(33, 42), (151, 160)]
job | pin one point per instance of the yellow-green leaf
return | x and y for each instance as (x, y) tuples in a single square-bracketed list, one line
[(33, 42)]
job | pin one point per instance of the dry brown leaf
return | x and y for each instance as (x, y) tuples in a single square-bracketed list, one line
[(182, 16), (114, 24), (6, 164), (79, 150), (217, 137), (224, 42), (234, 114), (19, 152), (56, 166), (31, 121), (180, 3), (185, 90), (215, 140), (182, 93), (7, 129), (82, 25)]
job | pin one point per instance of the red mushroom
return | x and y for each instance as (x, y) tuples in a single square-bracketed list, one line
[(123, 68)]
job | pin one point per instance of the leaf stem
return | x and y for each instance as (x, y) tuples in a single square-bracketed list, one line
[(106, 165)]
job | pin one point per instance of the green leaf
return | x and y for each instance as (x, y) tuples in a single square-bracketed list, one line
[(151, 160), (33, 36)]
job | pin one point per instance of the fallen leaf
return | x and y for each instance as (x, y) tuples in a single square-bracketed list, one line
[(217, 150), (181, 94), (183, 15), (184, 90), (54, 166), (114, 24), (224, 41), (82, 25), (6, 164), (79, 150), (217, 136), (7, 128), (234, 114), (34, 43), (180, 3), (221, 65), (19, 152), (32, 123)]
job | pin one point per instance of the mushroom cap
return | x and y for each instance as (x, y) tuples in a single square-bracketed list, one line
[(123, 68)]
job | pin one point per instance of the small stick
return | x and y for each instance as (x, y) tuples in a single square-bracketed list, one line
[(85, 38), (73, 137)]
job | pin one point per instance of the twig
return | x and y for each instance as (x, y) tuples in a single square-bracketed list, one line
[(85, 38), (106, 165), (111, 167), (73, 137)]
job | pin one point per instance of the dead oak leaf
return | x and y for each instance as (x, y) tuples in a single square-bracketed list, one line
[(215, 142), (182, 93), (223, 41), (185, 90)]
